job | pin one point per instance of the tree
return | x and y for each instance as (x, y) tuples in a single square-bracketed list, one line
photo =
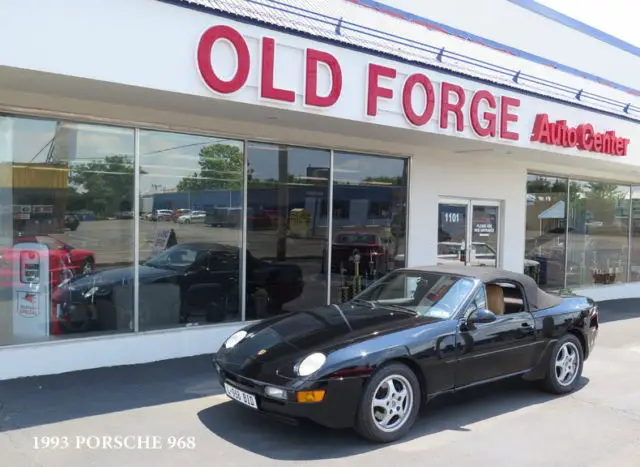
[(104, 187), (606, 191), (397, 181), (221, 168)]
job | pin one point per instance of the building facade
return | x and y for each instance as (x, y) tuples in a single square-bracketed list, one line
[(172, 170)]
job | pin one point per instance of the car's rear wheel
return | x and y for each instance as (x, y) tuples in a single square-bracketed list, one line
[(565, 366), (389, 405)]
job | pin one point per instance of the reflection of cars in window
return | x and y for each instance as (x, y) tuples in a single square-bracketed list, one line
[(159, 215), (63, 259), (224, 217), (123, 215), (363, 364), (71, 222), (372, 249), (194, 216), (178, 213), (204, 277)]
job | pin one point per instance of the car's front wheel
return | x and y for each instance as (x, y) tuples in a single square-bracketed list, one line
[(390, 404), (565, 366)]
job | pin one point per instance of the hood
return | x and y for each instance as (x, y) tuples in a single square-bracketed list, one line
[(120, 276), (276, 343)]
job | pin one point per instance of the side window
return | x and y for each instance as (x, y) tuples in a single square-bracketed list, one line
[(478, 302)]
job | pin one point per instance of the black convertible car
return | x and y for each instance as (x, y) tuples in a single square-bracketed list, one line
[(412, 335)]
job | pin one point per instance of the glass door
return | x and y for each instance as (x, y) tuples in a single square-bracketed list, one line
[(452, 231), (484, 234), (468, 232)]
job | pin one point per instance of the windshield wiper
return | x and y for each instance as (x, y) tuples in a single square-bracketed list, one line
[(360, 301)]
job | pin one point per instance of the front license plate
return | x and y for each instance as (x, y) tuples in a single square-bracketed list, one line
[(243, 397)]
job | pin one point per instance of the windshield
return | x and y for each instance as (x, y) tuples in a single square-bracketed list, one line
[(176, 257), (430, 294)]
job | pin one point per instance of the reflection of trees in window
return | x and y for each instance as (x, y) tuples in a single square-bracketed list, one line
[(221, 168), (102, 187), (392, 181)]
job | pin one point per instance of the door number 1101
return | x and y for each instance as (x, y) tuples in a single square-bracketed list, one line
[(452, 217)]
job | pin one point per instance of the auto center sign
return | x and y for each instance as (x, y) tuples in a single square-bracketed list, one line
[(584, 137), (337, 81), (488, 114)]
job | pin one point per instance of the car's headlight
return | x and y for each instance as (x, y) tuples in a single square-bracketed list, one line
[(96, 292), (310, 364), (234, 339)]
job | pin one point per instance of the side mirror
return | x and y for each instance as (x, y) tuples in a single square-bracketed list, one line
[(482, 316)]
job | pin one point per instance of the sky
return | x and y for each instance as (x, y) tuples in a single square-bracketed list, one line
[(615, 17)]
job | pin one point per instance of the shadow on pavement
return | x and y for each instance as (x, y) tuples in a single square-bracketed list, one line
[(252, 432), (35, 401), (616, 310)]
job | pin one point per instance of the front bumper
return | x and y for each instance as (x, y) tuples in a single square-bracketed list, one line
[(337, 410)]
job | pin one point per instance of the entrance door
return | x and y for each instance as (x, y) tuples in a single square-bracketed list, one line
[(468, 232)]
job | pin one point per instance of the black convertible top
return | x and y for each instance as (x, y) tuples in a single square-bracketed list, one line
[(536, 298)]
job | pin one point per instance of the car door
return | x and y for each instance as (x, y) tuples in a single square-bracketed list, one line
[(490, 350)]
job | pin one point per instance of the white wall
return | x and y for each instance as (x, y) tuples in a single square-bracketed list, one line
[(445, 175), (509, 24)]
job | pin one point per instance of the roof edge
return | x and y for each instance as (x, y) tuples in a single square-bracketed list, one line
[(407, 16), (568, 21), (395, 58)]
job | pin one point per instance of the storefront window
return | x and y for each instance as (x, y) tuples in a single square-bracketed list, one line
[(287, 229), (546, 230), (634, 267), (66, 229), (369, 224), (598, 233), (68, 220), (191, 211)]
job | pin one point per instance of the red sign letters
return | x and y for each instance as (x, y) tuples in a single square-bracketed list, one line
[(583, 137), (451, 99)]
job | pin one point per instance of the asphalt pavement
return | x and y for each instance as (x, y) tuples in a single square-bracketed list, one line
[(178, 415)]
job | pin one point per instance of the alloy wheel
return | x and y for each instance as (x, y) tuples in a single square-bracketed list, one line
[(567, 364), (392, 403)]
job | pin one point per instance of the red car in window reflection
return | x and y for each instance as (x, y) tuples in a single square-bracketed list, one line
[(64, 260)]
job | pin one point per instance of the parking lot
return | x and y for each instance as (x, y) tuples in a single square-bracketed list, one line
[(112, 240), (179, 403)]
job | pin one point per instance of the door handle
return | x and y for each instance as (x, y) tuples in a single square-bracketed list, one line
[(526, 325)]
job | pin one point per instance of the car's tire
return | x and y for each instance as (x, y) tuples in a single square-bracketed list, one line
[(564, 366), (398, 411)]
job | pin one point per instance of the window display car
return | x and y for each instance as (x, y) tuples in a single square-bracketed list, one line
[(371, 363), (189, 281)]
